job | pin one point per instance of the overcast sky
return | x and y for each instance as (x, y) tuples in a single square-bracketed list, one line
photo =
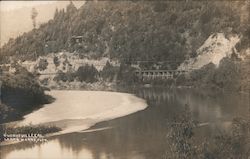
[(10, 5), (15, 16)]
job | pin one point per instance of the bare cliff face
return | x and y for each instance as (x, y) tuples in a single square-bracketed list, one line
[(213, 50), (50, 67)]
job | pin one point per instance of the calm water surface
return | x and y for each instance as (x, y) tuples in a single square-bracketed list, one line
[(141, 135)]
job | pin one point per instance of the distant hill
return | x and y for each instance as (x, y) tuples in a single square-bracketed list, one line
[(131, 30), (17, 21)]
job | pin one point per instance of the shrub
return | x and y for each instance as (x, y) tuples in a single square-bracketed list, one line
[(87, 73), (42, 65), (61, 76), (109, 72), (56, 61), (22, 91)]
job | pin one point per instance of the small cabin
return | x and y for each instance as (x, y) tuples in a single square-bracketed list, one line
[(76, 40), (76, 43)]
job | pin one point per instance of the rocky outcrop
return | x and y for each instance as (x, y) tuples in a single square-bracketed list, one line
[(214, 49)]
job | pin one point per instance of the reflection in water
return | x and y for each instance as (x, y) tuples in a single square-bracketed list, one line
[(141, 135)]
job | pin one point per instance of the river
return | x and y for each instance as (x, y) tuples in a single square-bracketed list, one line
[(127, 127)]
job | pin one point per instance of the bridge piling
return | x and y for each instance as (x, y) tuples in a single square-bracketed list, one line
[(160, 74)]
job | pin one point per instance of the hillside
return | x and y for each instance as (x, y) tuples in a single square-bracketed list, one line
[(133, 30), (170, 34)]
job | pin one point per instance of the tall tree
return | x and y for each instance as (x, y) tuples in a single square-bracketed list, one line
[(34, 14)]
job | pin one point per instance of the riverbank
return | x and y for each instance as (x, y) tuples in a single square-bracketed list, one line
[(74, 111), (12, 135), (78, 110), (132, 133), (21, 94), (76, 85)]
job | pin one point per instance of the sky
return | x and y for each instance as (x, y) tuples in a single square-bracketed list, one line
[(15, 16), (12, 5)]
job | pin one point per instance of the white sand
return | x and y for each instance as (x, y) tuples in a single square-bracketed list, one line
[(78, 110)]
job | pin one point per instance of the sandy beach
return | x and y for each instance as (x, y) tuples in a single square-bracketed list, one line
[(79, 110)]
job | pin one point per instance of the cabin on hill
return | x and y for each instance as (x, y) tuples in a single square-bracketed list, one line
[(76, 43), (76, 40)]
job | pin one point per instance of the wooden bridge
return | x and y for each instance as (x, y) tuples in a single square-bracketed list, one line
[(149, 74), (159, 74)]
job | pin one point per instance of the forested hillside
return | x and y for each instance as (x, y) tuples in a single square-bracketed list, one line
[(155, 30)]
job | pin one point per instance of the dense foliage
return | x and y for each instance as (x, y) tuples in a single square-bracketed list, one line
[(20, 93), (38, 129), (86, 73), (7, 113), (109, 73), (42, 64), (230, 144), (155, 30), (229, 75), (180, 136)]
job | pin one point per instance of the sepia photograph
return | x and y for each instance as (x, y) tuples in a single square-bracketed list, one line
[(125, 79)]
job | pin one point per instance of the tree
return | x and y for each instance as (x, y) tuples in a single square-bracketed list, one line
[(22, 91), (34, 14), (227, 75), (180, 136), (109, 72), (42, 65), (71, 8), (56, 61), (87, 73), (56, 13)]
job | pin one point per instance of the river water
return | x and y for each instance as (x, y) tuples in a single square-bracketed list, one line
[(136, 132)]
